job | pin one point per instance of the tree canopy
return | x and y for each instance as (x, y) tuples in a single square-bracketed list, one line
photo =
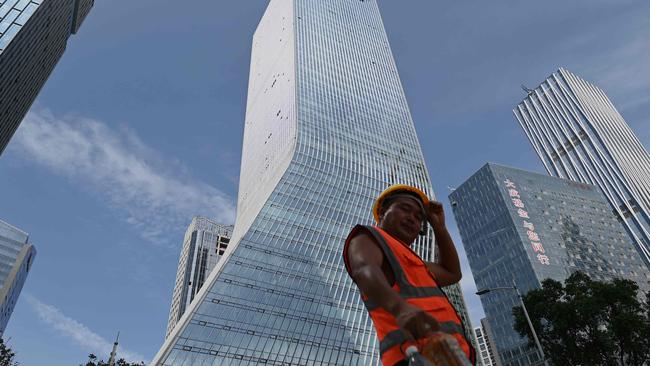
[(588, 322), (6, 355), (93, 361)]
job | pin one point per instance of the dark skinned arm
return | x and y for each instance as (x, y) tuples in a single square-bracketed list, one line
[(372, 275), (447, 270)]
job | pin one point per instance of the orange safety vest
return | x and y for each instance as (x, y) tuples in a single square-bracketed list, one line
[(415, 284)]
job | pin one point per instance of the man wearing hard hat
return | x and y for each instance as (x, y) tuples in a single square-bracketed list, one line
[(401, 291)]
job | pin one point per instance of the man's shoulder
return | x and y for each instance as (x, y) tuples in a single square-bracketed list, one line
[(360, 231)]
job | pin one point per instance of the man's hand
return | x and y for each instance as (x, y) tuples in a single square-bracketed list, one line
[(415, 321), (436, 215), (447, 270)]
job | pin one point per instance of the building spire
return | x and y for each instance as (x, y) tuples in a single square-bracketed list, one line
[(111, 360)]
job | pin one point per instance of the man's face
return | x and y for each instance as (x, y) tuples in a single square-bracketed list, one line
[(403, 219)]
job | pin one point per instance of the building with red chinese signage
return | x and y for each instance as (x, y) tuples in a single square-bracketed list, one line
[(525, 227)]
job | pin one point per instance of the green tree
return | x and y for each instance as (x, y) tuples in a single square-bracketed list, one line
[(6, 355), (92, 361), (587, 322)]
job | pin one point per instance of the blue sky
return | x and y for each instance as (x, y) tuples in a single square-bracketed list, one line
[(140, 126)]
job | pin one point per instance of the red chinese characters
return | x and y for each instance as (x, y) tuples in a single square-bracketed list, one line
[(535, 241), (537, 247), (532, 235)]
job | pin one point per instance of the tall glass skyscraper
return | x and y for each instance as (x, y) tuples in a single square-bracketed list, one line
[(579, 135), (525, 227), (16, 258), (33, 37), (327, 129), (204, 244)]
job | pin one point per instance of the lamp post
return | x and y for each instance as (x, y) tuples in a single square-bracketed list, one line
[(523, 306)]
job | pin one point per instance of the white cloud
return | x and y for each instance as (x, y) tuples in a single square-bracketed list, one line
[(90, 341), (154, 195), (624, 71)]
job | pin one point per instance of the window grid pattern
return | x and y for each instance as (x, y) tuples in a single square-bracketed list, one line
[(579, 135), (16, 257), (572, 220), (483, 349), (282, 295), (81, 10), (13, 16), (489, 339), (33, 37), (204, 244)]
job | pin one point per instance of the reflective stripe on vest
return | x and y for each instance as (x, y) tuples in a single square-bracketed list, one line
[(396, 337), (410, 293)]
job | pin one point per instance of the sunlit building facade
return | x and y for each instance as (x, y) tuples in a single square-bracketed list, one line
[(520, 228), (327, 129), (16, 258), (33, 37), (204, 244), (579, 135)]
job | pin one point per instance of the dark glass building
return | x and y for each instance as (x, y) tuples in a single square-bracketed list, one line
[(33, 37), (523, 227)]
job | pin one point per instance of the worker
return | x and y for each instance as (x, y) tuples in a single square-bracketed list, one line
[(401, 292)]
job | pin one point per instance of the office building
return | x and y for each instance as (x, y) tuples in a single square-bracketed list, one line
[(525, 227), (489, 336), (485, 347), (204, 244), (16, 258), (327, 129), (33, 37), (579, 135)]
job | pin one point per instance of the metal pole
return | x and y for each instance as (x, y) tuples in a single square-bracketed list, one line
[(530, 324)]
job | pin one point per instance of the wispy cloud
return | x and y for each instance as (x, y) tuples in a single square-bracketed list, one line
[(624, 72), (155, 195), (77, 332)]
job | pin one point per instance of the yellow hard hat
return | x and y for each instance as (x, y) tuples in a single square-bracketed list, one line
[(396, 188)]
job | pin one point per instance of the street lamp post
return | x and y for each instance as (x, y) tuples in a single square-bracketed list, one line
[(523, 306)]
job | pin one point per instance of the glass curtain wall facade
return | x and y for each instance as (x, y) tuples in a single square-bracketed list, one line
[(525, 227), (327, 129), (16, 258), (204, 244), (579, 135), (33, 37)]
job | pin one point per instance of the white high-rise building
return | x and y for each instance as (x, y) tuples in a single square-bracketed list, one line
[(327, 129), (486, 350), (579, 135), (204, 244), (16, 258)]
